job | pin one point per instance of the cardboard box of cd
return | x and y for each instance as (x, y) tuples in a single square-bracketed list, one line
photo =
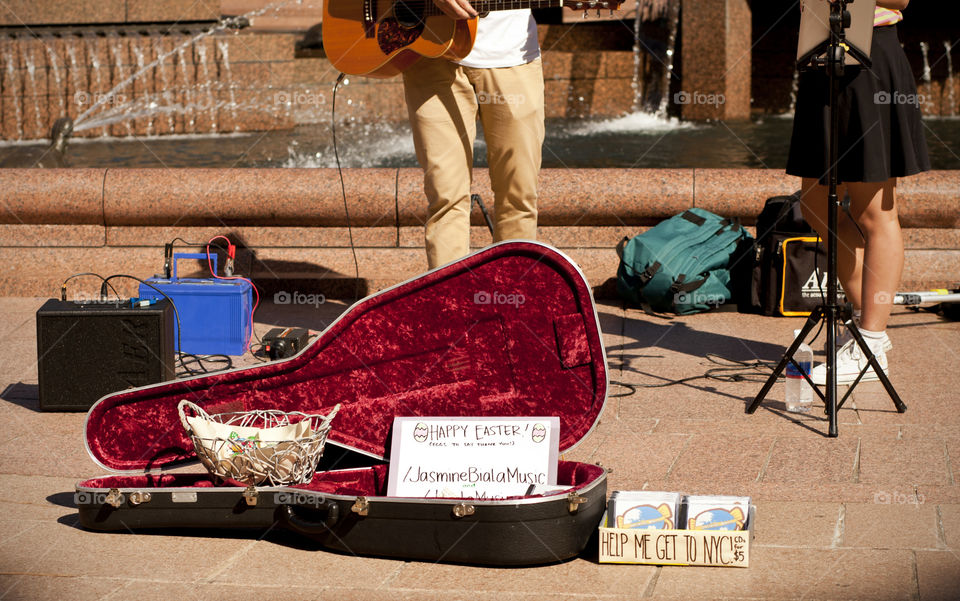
[(721, 548)]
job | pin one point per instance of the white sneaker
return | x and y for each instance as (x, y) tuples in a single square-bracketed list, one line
[(844, 336), (851, 361)]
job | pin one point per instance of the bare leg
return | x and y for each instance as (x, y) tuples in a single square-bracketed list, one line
[(849, 242), (874, 206)]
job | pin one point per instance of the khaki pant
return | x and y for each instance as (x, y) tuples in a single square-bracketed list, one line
[(444, 100)]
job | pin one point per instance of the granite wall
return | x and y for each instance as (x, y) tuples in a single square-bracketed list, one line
[(291, 224)]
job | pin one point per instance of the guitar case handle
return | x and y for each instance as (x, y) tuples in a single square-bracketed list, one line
[(290, 518)]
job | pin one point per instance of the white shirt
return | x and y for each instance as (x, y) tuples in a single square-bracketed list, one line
[(505, 38)]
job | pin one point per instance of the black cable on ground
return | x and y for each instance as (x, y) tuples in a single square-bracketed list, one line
[(729, 370), (343, 189), (176, 314)]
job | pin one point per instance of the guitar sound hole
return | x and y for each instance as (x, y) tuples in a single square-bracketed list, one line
[(409, 14)]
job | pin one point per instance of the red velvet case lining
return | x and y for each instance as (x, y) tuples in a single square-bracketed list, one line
[(508, 331)]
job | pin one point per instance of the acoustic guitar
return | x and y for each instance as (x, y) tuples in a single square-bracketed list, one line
[(381, 38)]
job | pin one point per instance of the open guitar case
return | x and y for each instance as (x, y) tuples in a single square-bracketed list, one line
[(510, 330)]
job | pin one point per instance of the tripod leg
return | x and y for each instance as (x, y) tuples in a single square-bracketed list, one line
[(812, 321), (872, 359)]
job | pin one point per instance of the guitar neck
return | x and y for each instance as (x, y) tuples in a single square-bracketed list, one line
[(483, 6)]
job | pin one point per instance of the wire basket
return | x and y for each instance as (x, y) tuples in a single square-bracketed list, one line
[(256, 447)]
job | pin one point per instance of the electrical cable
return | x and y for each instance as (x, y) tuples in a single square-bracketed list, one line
[(231, 249), (63, 286), (396, 203), (343, 189), (730, 370), (180, 354), (630, 387), (198, 244)]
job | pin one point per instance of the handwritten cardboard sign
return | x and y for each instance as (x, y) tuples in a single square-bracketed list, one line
[(472, 457), (675, 547)]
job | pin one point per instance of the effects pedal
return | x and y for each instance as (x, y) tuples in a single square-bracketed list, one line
[(280, 343)]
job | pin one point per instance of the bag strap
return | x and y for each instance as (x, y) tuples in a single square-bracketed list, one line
[(681, 285), (733, 222), (649, 311), (787, 207), (621, 245), (693, 218), (649, 272)]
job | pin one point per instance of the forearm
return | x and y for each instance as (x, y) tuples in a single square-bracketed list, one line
[(891, 4)]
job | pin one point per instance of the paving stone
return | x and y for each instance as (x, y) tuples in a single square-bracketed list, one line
[(949, 494), (201, 591), (894, 521), (727, 458), (795, 524), (914, 461), (938, 575), (950, 521), (807, 460), (590, 578), (256, 563), (797, 574), (637, 456), (61, 549), (31, 586)]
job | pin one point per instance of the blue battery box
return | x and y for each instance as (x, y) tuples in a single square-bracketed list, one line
[(214, 313)]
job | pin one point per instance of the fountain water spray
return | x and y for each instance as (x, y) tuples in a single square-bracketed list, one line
[(673, 18), (223, 24), (17, 95), (116, 48), (59, 91), (794, 90), (165, 80), (211, 103), (32, 78), (925, 76), (224, 48), (951, 86)]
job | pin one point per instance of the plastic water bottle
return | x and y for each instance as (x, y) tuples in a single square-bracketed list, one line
[(799, 392)]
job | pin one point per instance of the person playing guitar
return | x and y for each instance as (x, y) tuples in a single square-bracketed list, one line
[(500, 82)]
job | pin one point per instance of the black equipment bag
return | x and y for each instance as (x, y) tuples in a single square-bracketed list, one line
[(777, 277)]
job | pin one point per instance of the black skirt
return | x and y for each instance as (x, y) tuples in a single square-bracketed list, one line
[(881, 133)]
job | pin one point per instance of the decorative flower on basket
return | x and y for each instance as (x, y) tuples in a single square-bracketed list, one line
[(255, 447)]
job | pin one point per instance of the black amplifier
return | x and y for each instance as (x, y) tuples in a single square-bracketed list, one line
[(86, 350)]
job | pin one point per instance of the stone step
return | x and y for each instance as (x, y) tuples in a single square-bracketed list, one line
[(65, 221), (393, 197), (331, 271)]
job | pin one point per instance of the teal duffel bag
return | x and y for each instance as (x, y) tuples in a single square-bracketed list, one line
[(682, 265)]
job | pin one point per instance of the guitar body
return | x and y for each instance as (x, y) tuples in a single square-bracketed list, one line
[(370, 38)]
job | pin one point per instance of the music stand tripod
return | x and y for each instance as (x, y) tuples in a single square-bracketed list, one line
[(834, 61)]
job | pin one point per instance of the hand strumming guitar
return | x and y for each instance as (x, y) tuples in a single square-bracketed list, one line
[(456, 9)]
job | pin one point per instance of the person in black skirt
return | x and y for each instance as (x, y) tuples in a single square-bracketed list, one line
[(881, 139)]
